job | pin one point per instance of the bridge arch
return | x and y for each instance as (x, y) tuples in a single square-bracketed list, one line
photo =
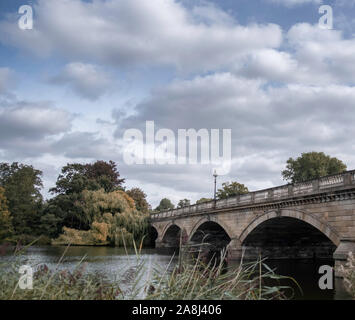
[(289, 234), (170, 224), (172, 234), (296, 214), (211, 233), (205, 219)]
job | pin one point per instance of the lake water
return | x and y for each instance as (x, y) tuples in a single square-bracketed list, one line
[(113, 261)]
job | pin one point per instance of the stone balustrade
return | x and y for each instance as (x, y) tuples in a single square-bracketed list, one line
[(271, 194)]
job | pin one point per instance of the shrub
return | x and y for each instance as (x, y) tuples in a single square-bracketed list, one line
[(348, 273)]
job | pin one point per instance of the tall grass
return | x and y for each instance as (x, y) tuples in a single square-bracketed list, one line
[(59, 283), (192, 278), (198, 279)]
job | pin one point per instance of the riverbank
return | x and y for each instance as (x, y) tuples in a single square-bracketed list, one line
[(128, 276), (113, 262)]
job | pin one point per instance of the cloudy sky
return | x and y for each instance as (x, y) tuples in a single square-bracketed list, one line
[(89, 70)]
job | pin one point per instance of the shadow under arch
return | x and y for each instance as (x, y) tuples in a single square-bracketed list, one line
[(212, 233), (289, 234), (167, 226), (152, 236), (173, 236), (203, 220)]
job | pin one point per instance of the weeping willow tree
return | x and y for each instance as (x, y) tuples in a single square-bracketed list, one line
[(113, 217)]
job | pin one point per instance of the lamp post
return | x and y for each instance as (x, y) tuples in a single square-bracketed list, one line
[(215, 183)]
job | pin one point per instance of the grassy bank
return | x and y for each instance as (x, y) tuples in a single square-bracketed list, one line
[(191, 278)]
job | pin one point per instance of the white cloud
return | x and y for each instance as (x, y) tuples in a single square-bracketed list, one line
[(323, 54), (140, 32), (86, 80), (33, 121), (269, 64), (315, 57), (269, 125), (210, 14), (28, 129), (85, 145), (278, 102), (291, 3)]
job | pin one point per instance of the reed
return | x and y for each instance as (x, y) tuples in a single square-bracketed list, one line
[(192, 278), (347, 271), (198, 279)]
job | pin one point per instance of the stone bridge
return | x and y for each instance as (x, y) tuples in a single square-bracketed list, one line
[(313, 219)]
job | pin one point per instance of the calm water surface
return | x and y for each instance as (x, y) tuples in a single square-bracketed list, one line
[(113, 261)]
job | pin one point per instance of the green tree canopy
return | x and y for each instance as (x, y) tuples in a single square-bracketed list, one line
[(22, 184), (184, 203), (203, 200), (105, 174), (73, 180), (77, 177), (140, 199), (164, 205), (230, 189), (6, 228), (50, 225), (68, 211), (311, 165)]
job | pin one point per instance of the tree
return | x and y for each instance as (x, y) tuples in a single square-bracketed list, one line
[(50, 225), (67, 209), (6, 228), (311, 165), (77, 177), (203, 200), (113, 219), (164, 205), (230, 189), (22, 184), (105, 174), (140, 199), (183, 203), (73, 180)]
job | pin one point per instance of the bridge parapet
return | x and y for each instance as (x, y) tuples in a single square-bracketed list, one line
[(323, 184)]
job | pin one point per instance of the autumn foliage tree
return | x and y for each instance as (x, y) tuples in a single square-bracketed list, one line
[(140, 199), (113, 219)]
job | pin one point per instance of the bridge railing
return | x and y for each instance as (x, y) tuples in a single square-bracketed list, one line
[(271, 194), (303, 188)]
